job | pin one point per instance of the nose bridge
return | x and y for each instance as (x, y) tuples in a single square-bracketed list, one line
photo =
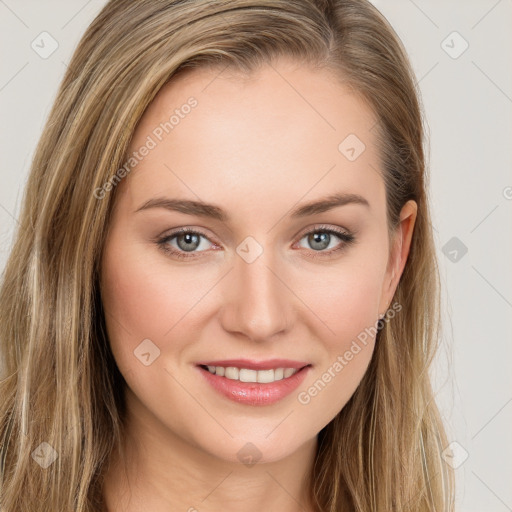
[(258, 303)]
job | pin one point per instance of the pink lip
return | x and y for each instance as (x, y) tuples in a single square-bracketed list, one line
[(254, 393), (269, 364)]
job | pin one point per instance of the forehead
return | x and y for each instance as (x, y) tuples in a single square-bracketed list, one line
[(283, 131)]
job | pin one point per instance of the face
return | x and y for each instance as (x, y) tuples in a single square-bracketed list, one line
[(260, 275)]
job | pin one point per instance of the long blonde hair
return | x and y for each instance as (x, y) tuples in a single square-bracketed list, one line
[(61, 386)]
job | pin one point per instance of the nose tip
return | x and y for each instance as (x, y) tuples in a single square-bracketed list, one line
[(257, 304)]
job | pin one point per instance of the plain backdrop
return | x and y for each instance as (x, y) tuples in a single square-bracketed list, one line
[(461, 53)]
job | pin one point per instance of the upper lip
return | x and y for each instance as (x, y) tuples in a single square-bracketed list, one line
[(269, 364)]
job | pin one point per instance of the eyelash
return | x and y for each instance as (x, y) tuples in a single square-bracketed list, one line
[(346, 237)]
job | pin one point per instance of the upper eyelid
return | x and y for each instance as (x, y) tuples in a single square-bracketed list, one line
[(324, 227)]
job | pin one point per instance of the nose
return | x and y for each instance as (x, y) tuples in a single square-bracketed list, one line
[(257, 302)]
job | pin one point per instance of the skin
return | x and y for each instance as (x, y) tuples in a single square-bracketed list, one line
[(258, 147)]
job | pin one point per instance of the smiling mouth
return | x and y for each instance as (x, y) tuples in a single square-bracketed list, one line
[(252, 376)]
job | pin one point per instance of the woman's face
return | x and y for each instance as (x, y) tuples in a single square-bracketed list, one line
[(260, 274)]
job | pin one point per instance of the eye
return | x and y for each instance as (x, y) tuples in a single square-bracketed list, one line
[(322, 237), (188, 241)]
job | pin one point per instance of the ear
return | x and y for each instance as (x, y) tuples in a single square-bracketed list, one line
[(401, 244)]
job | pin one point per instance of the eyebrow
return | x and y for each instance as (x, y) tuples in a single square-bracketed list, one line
[(213, 211)]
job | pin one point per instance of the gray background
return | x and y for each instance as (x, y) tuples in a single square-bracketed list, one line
[(467, 96)]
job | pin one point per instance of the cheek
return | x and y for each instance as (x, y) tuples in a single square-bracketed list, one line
[(141, 302), (346, 299), (347, 302)]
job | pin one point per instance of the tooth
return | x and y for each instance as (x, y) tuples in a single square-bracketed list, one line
[(248, 375), (278, 373), (288, 372), (265, 376), (231, 373)]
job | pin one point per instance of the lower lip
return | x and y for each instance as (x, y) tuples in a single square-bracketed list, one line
[(255, 393)]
